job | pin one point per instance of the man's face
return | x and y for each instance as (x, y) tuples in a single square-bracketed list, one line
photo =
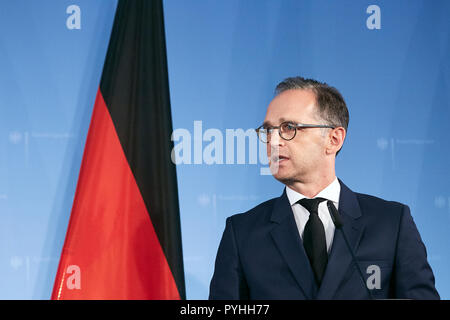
[(300, 158)]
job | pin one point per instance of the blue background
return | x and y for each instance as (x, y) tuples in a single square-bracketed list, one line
[(225, 58)]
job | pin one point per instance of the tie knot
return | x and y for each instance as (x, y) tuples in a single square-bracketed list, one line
[(312, 205)]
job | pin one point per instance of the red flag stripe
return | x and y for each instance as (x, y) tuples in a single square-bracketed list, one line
[(109, 219)]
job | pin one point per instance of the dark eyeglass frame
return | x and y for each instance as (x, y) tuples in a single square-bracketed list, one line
[(295, 125)]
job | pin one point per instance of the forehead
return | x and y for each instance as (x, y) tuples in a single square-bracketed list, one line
[(292, 105)]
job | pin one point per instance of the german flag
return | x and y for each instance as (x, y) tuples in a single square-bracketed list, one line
[(124, 240)]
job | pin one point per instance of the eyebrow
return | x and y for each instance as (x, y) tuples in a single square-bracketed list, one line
[(268, 123)]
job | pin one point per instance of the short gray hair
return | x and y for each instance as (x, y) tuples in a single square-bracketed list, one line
[(330, 103)]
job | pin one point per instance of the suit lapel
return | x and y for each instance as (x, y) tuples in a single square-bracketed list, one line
[(340, 258), (286, 237)]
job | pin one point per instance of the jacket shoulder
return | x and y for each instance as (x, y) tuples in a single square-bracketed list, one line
[(261, 211), (372, 204), (376, 201)]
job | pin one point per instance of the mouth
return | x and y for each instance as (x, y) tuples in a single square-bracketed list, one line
[(279, 159)]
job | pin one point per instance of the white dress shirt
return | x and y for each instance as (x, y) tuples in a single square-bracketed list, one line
[(301, 214)]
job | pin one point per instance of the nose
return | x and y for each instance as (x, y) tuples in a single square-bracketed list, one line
[(274, 144), (275, 139)]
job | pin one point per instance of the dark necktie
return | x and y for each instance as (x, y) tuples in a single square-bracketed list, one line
[(314, 239)]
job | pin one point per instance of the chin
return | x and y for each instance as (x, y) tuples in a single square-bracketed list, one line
[(286, 181), (286, 176), (283, 177)]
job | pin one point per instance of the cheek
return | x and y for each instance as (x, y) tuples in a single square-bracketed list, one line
[(305, 152)]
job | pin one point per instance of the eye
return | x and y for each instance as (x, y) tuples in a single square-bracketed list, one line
[(288, 126)]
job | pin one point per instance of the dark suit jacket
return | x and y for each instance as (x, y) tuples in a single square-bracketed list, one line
[(261, 255)]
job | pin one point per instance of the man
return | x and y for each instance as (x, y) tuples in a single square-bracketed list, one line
[(289, 247)]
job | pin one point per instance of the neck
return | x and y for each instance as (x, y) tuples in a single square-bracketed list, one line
[(311, 186)]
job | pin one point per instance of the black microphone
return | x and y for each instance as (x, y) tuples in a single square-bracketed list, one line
[(339, 224)]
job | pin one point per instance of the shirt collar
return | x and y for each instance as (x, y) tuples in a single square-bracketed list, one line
[(331, 192)]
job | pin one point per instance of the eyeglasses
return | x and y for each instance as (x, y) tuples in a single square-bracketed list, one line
[(287, 130)]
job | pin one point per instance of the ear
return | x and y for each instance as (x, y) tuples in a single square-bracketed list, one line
[(335, 141)]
